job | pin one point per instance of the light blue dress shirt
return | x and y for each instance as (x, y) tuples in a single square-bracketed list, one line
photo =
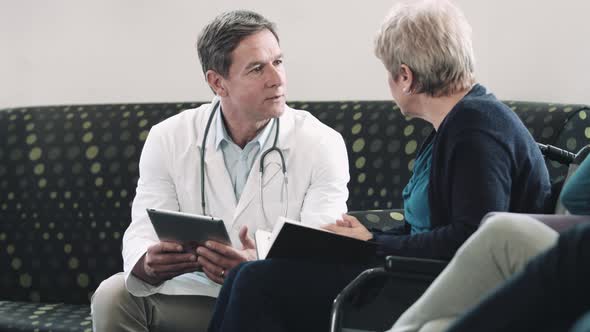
[(238, 161)]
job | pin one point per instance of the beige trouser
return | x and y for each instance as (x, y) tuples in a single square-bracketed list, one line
[(498, 249), (115, 309)]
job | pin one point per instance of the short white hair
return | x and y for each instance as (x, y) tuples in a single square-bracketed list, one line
[(432, 38)]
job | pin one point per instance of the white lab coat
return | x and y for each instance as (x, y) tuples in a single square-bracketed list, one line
[(169, 168)]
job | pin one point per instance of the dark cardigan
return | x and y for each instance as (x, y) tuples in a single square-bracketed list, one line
[(483, 159)]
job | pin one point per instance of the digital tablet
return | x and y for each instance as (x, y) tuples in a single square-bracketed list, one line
[(191, 230)]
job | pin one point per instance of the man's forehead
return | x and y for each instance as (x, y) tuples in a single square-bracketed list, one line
[(259, 47)]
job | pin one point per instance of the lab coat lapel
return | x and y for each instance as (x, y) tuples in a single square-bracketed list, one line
[(218, 187)]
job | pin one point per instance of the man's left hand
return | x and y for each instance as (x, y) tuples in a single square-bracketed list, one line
[(351, 227), (217, 258)]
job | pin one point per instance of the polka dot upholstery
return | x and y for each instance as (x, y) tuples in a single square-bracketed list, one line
[(68, 176)]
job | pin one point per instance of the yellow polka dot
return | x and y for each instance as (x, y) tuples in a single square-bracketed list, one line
[(582, 115), (16, 263), (411, 147), (10, 196), (568, 109), (411, 165), (42, 183), (95, 168), (53, 195), (109, 194), (39, 169), (571, 144), (358, 145), (83, 280), (372, 218), (98, 182), (370, 192), (123, 193), (92, 152), (60, 236), (73, 263), (552, 109), (361, 178), (30, 126), (45, 236), (356, 128), (67, 248), (86, 125), (35, 153), (396, 216), (357, 116), (360, 162), (383, 192), (587, 132), (125, 114), (10, 249), (143, 135), (85, 323), (408, 130), (31, 139), (143, 123), (25, 280), (2, 236), (87, 137), (140, 113)]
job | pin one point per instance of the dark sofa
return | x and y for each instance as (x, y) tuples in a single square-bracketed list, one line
[(68, 176)]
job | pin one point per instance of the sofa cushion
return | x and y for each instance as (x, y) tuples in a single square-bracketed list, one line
[(28, 316)]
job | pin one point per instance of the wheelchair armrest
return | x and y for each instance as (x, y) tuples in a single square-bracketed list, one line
[(410, 275), (347, 292), (412, 265)]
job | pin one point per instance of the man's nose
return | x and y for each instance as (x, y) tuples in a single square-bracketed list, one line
[(276, 76)]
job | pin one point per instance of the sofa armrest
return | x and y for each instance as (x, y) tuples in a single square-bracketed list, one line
[(382, 220), (558, 222)]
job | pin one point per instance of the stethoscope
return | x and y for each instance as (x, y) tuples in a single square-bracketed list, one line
[(261, 169)]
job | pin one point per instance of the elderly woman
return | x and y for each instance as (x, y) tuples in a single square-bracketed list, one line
[(479, 158)]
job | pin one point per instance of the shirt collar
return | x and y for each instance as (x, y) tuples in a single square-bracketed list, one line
[(221, 134)]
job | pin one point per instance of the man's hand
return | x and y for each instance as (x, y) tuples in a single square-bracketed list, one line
[(351, 227), (163, 261), (217, 258)]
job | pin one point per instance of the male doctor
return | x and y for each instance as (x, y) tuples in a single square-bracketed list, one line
[(160, 288)]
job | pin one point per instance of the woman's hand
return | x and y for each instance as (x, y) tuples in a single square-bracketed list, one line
[(351, 227)]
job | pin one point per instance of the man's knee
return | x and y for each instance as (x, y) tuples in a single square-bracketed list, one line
[(109, 295)]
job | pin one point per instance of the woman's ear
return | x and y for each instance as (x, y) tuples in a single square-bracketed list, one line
[(216, 82), (406, 79)]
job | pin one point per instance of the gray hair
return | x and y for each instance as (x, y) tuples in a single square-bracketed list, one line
[(432, 38), (222, 35)]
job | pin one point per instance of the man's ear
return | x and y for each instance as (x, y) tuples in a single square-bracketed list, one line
[(216, 82), (406, 78)]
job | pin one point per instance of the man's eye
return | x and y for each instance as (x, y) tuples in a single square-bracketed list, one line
[(278, 62), (256, 70)]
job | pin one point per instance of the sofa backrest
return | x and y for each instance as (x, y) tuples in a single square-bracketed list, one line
[(68, 176)]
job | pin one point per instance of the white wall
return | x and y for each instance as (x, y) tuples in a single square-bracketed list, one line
[(107, 51)]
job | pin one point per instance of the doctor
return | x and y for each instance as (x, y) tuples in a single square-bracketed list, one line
[(161, 287)]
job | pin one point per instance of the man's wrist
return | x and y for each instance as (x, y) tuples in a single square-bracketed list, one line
[(139, 272)]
